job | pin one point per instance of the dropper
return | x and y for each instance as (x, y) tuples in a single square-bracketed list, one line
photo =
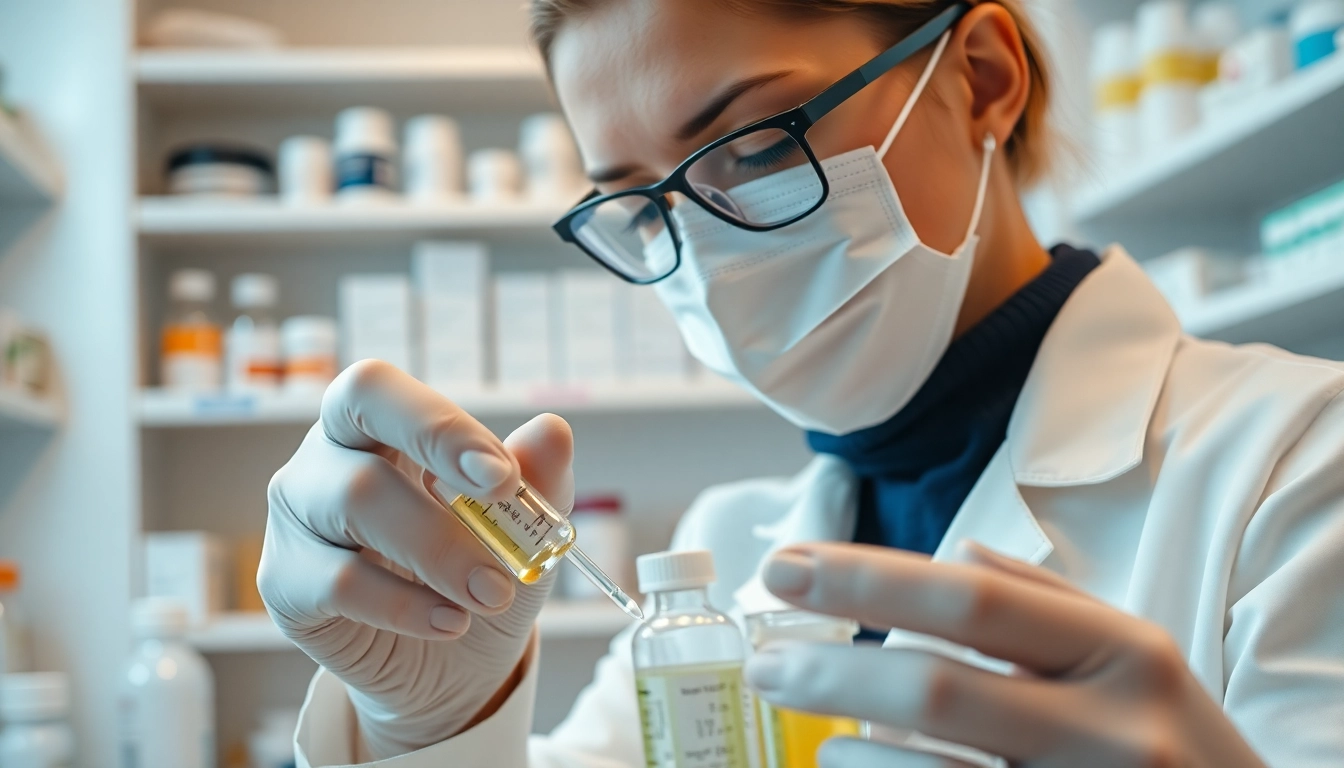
[(603, 582)]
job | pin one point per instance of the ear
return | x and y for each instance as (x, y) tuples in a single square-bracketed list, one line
[(998, 76)]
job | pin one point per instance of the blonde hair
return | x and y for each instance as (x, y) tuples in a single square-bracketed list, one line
[(1027, 148)]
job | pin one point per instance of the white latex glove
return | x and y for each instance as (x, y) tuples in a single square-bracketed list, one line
[(1096, 687), (378, 583)]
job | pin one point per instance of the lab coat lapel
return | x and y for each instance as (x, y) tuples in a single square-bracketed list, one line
[(995, 516)]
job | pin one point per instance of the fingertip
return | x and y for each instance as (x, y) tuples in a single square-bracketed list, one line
[(449, 621)]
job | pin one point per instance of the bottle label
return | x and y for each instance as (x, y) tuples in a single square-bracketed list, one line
[(363, 171), (693, 716)]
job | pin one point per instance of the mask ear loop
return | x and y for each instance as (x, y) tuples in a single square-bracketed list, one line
[(915, 94)]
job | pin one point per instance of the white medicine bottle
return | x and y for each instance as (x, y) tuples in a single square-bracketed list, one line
[(253, 343), (169, 693), (191, 351), (688, 670)]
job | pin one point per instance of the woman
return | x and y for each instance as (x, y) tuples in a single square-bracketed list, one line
[(1160, 520)]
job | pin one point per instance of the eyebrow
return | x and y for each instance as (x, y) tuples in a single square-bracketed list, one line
[(697, 124)]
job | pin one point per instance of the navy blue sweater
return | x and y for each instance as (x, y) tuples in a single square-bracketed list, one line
[(917, 468)]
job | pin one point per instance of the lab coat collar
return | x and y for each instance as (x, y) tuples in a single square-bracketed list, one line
[(1083, 414)]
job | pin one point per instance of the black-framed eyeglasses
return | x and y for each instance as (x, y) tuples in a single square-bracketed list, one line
[(615, 229)]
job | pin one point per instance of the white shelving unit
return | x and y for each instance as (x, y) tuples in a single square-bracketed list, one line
[(1232, 170), (27, 173), (255, 633), (161, 408), (267, 221), (19, 410), (1278, 311)]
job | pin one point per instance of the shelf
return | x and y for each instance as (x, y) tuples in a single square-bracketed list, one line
[(27, 174), (1280, 311), (19, 410), (176, 219), (163, 409), (326, 80), (255, 633), (1231, 171)]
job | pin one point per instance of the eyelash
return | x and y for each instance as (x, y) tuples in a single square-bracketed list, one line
[(647, 214), (770, 156)]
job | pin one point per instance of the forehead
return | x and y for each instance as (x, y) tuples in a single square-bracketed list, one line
[(629, 72)]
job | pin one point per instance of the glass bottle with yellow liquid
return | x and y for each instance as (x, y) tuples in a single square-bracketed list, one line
[(790, 739)]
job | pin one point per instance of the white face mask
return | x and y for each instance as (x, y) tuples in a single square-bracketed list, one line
[(836, 321)]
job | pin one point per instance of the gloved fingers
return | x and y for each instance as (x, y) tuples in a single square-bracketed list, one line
[(367, 593), (974, 553), (845, 752), (350, 499), (544, 448), (1047, 630), (934, 695), (372, 406)]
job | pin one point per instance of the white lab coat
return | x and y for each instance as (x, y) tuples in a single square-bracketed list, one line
[(1192, 483)]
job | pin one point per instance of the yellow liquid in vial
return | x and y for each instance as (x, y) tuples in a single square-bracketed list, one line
[(791, 739), (518, 532)]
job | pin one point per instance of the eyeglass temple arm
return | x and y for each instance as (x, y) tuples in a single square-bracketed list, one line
[(821, 104)]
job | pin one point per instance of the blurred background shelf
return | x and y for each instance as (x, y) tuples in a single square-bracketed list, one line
[(19, 410), (177, 219), (1280, 311), (161, 408), (298, 80), (255, 633), (1220, 179), (27, 174)]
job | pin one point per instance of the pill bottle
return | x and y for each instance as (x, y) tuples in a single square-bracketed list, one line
[(432, 160), (305, 171), (1217, 26), (1172, 74), (219, 170), (1116, 86), (310, 346), (791, 739), (366, 152), (494, 176), (550, 159), (192, 347), (167, 698), (1315, 26), (688, 656), (600, 524), (35, 730), (253, 343), (13, 634)]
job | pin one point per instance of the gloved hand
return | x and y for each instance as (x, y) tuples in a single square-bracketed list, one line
[(1095, 686), (378, 583)]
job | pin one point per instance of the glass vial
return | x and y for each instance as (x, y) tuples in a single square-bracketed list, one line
[(192, 341), (688, 657), (253, 344), (790, 739)]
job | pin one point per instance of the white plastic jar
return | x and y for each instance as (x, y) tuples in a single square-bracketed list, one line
[(310, 344), (168, 694), (366, 152), (34, 708)]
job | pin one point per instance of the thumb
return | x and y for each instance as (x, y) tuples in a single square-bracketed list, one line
[(544, 448)]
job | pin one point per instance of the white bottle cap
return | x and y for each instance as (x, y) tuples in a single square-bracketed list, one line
[(1113, 51), (34, 696), (432, 135), (1314, 16), (255, 290), (159, 617), (667, 571), (365, 130), (1217, 25), (192, 285), (1163, 27)]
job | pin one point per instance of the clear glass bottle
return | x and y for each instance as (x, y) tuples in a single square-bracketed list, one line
[(693, 704), (192, 342), (253, 348), (790, 739), (168, 692)]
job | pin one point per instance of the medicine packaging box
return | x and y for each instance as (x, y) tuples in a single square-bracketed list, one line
[(191, 566), (376, 319), (1305, 235), (650, 345), (586, 317), (523, 329), (451, 285)]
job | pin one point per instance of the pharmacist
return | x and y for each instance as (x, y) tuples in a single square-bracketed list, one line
[(1149, 527)]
